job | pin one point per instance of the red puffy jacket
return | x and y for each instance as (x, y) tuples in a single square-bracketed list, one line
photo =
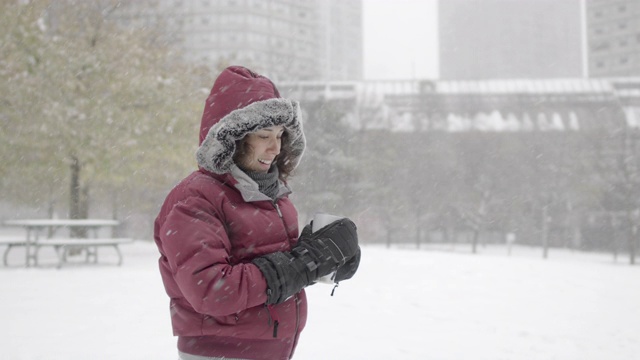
[(215, 221)]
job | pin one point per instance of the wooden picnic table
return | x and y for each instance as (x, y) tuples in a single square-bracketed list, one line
[(33, 241)]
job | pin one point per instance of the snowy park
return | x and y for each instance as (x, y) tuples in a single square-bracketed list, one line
[(458, 172), (404, 303)]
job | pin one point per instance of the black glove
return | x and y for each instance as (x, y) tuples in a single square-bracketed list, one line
[(315, 255), (346, 271)]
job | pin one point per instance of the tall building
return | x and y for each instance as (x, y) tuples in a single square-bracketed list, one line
[(494, 39), (283, 39), (342, 29), (613, 32)]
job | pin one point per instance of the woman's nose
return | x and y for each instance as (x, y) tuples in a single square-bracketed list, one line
[(275, 146)]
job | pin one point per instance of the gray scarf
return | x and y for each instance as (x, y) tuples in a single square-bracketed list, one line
[(267, 182)]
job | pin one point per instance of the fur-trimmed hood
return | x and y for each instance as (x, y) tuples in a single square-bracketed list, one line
[(242, 102)]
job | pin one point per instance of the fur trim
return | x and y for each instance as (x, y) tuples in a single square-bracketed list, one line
[(216, 152)]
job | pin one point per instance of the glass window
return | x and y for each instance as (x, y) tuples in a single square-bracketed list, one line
[(601, 46)]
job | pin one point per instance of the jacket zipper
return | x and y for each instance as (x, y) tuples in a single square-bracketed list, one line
[(275, 205), (297, 299), (273, 315), (295, 335)]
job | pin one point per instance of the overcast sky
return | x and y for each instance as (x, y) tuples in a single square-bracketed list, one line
[(400, 39)]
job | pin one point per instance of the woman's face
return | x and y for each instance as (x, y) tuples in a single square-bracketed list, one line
[(262, 148)]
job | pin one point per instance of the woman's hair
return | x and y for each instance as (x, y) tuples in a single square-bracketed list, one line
[(283, 160)]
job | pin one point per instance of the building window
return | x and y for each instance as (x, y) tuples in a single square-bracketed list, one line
[(622, 8), (622, 25), (624, 60), (601, 46), (600, 64)]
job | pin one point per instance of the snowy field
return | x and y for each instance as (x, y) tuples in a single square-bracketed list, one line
[(403, 304)]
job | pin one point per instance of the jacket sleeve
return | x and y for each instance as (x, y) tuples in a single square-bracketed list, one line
[(197, 248)]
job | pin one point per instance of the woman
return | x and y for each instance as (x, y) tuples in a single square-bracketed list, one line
[(231, 260)]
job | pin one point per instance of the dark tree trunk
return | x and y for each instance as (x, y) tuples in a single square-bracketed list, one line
[(78, 202), (74, 200), (633, 233), (545, 232), (474, 241)]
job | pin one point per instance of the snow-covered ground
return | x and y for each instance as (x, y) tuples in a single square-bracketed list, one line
[(403, 304)]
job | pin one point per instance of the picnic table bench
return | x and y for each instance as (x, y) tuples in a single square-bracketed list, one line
[(33, 242), (10, 242)]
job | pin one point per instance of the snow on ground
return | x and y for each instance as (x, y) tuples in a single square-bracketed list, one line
[(402, 304)]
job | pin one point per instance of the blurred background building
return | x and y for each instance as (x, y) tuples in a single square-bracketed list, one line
[(283, 39), (613, 32), (500, 39)]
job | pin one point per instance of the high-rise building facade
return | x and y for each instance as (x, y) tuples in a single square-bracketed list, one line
[(489, 39), (613, 32), (284, 39), (494, 39)]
